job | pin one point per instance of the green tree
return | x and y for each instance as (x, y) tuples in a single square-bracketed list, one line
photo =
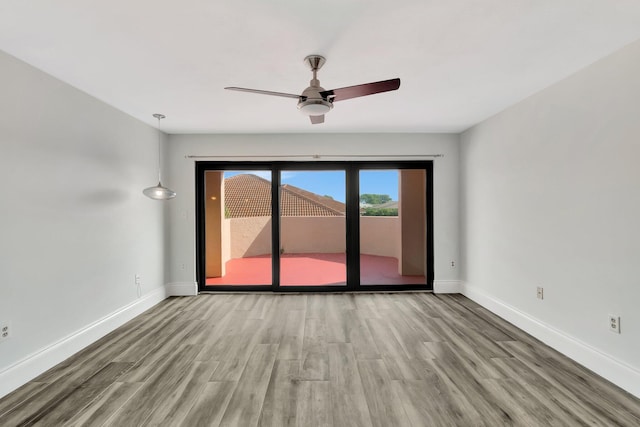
[(380, 212), (374, 199)]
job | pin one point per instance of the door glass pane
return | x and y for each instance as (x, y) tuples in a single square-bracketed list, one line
[(312, 228), (238, 228), (392, 227)]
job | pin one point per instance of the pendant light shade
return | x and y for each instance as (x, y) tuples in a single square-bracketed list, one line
[(159, 192)]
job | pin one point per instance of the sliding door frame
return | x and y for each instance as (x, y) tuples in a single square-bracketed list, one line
[(352, 189)]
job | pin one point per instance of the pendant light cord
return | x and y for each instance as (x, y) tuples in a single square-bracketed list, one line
[(159, 152)]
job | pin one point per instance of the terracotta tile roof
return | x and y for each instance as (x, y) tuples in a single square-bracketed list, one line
[(323, 200), (248, 195)]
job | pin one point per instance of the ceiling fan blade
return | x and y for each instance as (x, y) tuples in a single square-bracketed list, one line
[(263, 92), (317, 119), (361, 90)]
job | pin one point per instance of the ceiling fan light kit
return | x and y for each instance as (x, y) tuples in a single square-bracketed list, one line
[(315, 101), (314, 107)]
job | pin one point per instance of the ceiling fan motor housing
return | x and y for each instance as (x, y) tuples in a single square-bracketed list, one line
[(311, 102)]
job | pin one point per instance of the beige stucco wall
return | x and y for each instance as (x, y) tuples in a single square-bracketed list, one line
[(214, 203), (249, 236), (412, 225), (244, 237), (380, 235), (305, 234), (226, 241)]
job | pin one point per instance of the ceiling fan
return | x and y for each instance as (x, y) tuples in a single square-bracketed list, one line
[(315, 101)]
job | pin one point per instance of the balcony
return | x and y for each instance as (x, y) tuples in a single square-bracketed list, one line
[(312, 238)]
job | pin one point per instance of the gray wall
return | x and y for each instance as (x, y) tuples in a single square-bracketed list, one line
[(75, 225), (551, 198), (182, 173)]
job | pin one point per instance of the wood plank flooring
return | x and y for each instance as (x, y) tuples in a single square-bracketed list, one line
[(406, 359)]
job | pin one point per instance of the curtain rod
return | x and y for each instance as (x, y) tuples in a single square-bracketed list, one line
[(318, 156)]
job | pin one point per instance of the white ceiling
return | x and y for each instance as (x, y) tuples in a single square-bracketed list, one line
[(460, 61)]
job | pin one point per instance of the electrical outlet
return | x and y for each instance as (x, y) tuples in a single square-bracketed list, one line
[(5, 331), (614, 324), (137, 279), (540, 292)]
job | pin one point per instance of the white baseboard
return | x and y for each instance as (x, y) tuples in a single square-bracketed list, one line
[(446, 287), (35, 364), (624, 376), (182, 289)]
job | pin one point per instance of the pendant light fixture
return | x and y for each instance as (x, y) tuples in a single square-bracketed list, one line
[(159, 192)]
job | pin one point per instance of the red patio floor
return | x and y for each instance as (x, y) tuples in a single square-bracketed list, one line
[(312, 269)]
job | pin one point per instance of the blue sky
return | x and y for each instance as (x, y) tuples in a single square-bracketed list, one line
[(332, 183)]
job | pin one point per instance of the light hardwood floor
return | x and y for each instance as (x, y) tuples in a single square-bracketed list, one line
[(319, 360)]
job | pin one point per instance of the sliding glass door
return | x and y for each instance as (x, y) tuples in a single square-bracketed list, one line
[(393, 231), (237, 228), (314, 226)]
